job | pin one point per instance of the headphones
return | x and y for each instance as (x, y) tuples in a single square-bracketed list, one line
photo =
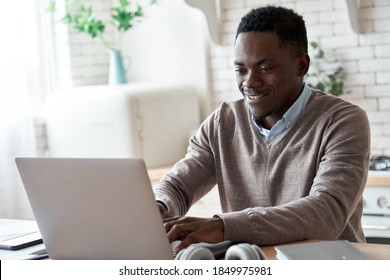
[(241, 251)]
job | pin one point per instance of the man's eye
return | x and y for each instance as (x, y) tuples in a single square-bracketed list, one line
[(240, 71), (265, 69)]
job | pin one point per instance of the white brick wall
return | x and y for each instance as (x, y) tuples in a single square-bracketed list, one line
[(82, 60), (364, 56)]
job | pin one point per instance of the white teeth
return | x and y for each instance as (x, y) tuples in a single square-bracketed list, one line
[(254, 97)]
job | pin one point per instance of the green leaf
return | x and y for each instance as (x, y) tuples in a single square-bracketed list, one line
[(51, 7), (325, 71), (314, 45), (320, 54), (124, 3), (67, 18), (83, 20)]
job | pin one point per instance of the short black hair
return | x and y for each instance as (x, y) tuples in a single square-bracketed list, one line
[(286, 23)]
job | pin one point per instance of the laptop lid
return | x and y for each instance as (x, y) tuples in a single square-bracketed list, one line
[(94, 208)]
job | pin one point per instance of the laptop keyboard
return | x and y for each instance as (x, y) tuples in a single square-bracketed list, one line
[(174, 244)]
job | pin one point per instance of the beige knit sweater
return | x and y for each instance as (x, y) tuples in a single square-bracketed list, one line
[(306, 184)]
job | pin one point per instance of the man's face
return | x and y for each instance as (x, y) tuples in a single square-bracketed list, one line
[(269, 76)]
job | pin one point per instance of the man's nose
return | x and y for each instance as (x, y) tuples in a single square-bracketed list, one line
[(253, 79)]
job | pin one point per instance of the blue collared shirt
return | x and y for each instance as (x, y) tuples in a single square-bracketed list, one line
[(288, 118)]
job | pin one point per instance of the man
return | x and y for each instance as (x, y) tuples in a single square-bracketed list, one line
[(290, 162)]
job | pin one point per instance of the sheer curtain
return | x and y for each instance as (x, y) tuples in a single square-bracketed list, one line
[(18, 71)]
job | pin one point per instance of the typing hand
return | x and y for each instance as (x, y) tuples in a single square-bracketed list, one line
[(192, 230)]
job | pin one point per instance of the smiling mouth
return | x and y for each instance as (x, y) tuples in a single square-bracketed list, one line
[(252, 94), (255, 97)]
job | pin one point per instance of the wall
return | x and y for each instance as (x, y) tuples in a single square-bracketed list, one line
[(80, 59), (365, 56)]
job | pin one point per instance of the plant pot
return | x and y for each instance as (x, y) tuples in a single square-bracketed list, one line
[(117, 70)]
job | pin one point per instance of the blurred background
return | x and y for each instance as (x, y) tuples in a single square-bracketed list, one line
[(176, 60)]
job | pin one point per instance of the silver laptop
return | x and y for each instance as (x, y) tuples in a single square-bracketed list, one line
[(94, 208)]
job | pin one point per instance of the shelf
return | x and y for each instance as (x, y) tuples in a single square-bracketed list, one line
[(353, 14)]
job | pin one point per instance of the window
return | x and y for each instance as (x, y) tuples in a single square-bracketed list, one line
[(23, 86)]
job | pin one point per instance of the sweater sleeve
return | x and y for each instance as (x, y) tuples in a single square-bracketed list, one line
[(192, 177), (333, 207)]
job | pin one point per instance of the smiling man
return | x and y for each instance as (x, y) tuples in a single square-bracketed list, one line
[(290, 162), (266, 77)]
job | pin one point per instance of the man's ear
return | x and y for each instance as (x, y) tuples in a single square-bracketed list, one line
[(303, 65)]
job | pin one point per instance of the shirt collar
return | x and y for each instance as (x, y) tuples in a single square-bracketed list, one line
[(297, 108), (288, 118)]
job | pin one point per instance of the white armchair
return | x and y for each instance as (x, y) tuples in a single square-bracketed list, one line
[(153, 122)]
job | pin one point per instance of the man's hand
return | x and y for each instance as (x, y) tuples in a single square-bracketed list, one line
[(191, 230)]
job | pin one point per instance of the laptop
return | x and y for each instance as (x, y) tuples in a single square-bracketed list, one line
[(95, 208)]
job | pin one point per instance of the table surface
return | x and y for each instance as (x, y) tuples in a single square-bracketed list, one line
[(374, 251), (378, 180)]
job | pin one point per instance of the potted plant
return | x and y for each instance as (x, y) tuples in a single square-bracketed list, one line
[(124, 16), (326, 73)]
